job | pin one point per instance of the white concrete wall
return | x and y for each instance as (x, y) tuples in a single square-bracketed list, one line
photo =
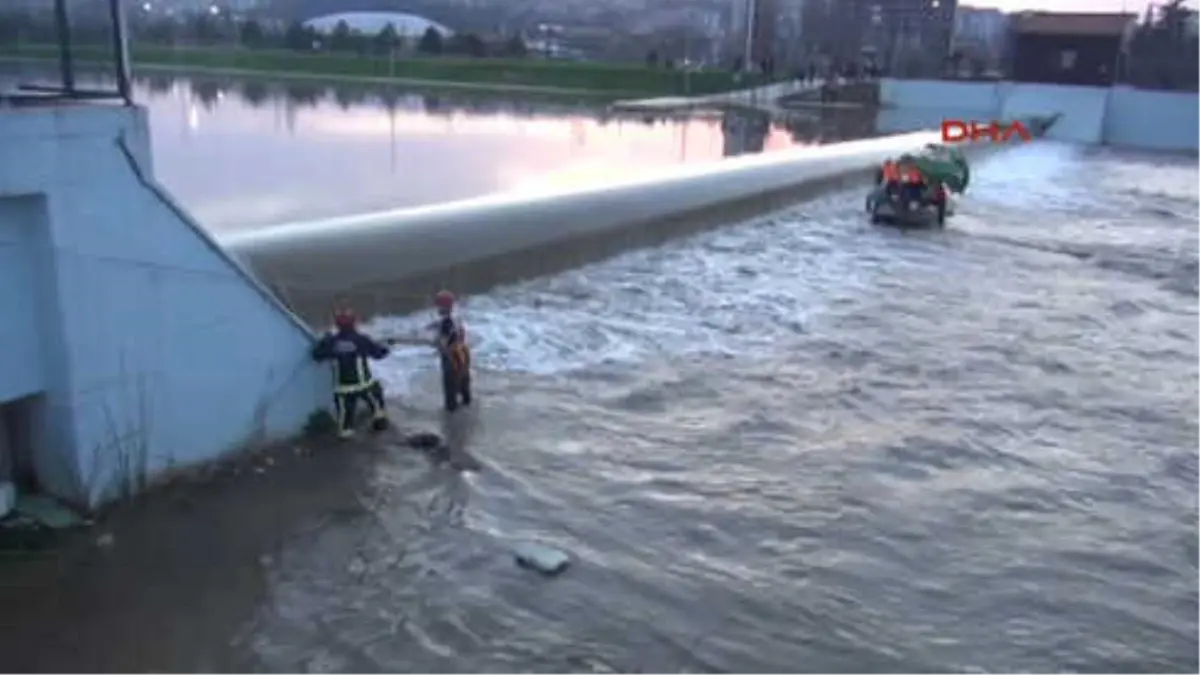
[(158, 351), (1153, 120), (1082, 109), (979, 97), (1119, 116), (372, 248)]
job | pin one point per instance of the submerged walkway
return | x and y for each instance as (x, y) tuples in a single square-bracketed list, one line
[(764, 98)]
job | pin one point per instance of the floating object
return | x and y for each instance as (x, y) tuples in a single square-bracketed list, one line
[(423, 440), (549, 561), (47, 512)]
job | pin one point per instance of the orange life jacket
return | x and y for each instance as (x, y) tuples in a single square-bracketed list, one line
[(891, 172), (911, 174)]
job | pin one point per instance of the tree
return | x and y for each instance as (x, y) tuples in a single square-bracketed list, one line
[(515, 47), (252, 34), (254, 92), (299, 37), (204, 28), (342, 38), (431, 42), (386, 40), (466, 43), (207, 92), (160, 31)]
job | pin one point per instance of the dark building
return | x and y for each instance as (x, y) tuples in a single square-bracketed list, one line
[(1081, 49), (766, 18), (835, 28), (912, 37), (900, 35)]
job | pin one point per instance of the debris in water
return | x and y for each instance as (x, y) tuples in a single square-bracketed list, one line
[(423, 440), (106, 540), (549, 561), (47, 512)]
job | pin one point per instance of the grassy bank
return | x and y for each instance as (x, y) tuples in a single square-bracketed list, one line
[(617, 80)]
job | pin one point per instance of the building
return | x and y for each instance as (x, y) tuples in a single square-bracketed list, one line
[(911, 37), (1082, 49), (370, 23), (904, 36), (766, 20), (980, 34), (753, 25)]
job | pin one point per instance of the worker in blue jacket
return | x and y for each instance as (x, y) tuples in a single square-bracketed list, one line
[(350, 351)]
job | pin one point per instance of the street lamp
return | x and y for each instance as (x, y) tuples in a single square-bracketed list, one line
[(751, 10)]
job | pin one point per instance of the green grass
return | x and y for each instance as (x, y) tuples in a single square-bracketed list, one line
[(617, 79)]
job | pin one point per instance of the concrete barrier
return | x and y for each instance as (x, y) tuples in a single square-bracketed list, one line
[(1119, 116), (393, 261), (1153, 120), (1082, 109), (135, 344)]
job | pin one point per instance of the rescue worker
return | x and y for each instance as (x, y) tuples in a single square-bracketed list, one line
[(912, 182), (350, 351), (888, 175), (453, 352)]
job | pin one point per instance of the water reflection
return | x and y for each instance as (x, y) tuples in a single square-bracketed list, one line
[(245, 153)]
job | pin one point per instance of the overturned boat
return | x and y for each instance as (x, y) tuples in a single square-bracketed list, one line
[(940, 165)]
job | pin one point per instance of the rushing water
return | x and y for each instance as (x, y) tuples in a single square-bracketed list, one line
[(245, 153), (802, 443), (795, 444)]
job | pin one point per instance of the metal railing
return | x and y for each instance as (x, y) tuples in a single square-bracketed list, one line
[(67, 87)]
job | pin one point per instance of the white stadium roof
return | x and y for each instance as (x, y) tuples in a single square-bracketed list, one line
[(370, 23)]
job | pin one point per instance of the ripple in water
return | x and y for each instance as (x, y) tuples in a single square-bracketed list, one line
[(805, 444)]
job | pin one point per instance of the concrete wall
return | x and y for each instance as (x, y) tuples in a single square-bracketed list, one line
[(1153, 120), (392, 261), (147, 347), (1119, 116), (1082, 109)]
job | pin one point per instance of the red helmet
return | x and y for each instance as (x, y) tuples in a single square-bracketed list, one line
[(344, 319), (444, 300)]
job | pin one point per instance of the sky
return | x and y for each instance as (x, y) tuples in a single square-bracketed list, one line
[(1138, 6)]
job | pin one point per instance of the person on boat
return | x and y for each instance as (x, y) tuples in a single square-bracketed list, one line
[(912, 181), (350, 352), (453, 353), (888, 176)]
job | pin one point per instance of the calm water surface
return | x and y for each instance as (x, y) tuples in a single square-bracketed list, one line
[(247, 153)]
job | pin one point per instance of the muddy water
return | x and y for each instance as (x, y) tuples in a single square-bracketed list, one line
[(795, 444)]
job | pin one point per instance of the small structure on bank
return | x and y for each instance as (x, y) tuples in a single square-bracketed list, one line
[(133, 344), (406, 26), (1080, 49)]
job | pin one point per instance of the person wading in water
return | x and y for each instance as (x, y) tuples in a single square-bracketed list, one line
[(350, 351)]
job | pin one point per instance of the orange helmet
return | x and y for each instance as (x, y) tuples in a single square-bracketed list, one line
[(444, 300)]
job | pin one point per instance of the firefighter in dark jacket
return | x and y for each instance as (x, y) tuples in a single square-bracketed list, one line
[(350, 351), (453, 353)]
